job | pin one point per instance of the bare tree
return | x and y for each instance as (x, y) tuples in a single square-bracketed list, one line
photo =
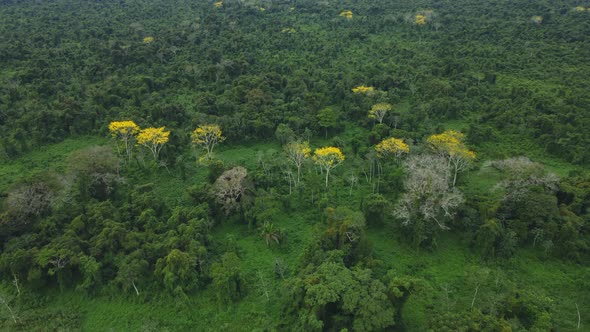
[(428, 195), (229, 189), (30, 200), (99, 167), (522, 175)]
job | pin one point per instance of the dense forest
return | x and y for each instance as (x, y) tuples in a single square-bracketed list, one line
[(294, 165)]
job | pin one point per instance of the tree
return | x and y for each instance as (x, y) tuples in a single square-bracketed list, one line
[(177, 271), (391, 147), (284, 134), (361, 89), (227, 278), (379, 110), (420, 19), (230, 188), (29, 201), (297, 152), (328, 158), (153, 139), (521, 175), (207, 136), (131, 269), (428, 200), (124, 131), (450, 146), (270, 233), (331, 297), (96, 169), (327, 117), (90, 270)]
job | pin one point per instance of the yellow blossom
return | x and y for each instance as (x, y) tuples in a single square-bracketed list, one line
[(420, 19), (346, 14), (297, 152), (363, 89), (379, 110), (153, 139), (124, 131), (391, 147), (148, 39), (218, 4), (328, 158), (207, 136), (450, 145)]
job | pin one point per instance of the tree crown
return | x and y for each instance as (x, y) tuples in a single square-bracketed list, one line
[(391, 146), (329, 156), (206, 133), (450, 143), (153, 136), (123, 128)]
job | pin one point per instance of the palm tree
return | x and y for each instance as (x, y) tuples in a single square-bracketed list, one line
[(270, 233)]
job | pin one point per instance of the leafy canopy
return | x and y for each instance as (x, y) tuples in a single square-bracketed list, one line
[(328, 157), (153, 136), (450, 143), (122, 129), (391, 147)]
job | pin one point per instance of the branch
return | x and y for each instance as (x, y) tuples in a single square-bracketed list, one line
[(474, 295), (578, 309)]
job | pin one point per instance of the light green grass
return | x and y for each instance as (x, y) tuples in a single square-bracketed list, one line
[(47, 158)]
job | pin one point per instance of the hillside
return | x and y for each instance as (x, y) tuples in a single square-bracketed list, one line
[(294, 165)]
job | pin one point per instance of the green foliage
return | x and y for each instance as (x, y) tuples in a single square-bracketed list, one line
[(177, 272), (375, 208), (228, 282), (89, 242), (332, 297)]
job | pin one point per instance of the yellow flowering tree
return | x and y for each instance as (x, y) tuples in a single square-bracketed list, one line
[(450, 146), (391, 147), (297, 152), (148, 40), (124, 131), (328, 158), (361, 89), (346, 13), (207, 136), (537, 19), (424, 16), (153, 139), (420, 19), (379, 110)]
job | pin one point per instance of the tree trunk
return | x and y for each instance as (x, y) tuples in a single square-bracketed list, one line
[(327, 174), (136, 291)]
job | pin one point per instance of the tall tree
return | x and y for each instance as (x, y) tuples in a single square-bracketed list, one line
[(429, 199), (378, 111), (153, 139), (297, 152), (328, 158), (230, 187), (124, 131), (207, 136), (391, 147), (450, 145), (327, 117)]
